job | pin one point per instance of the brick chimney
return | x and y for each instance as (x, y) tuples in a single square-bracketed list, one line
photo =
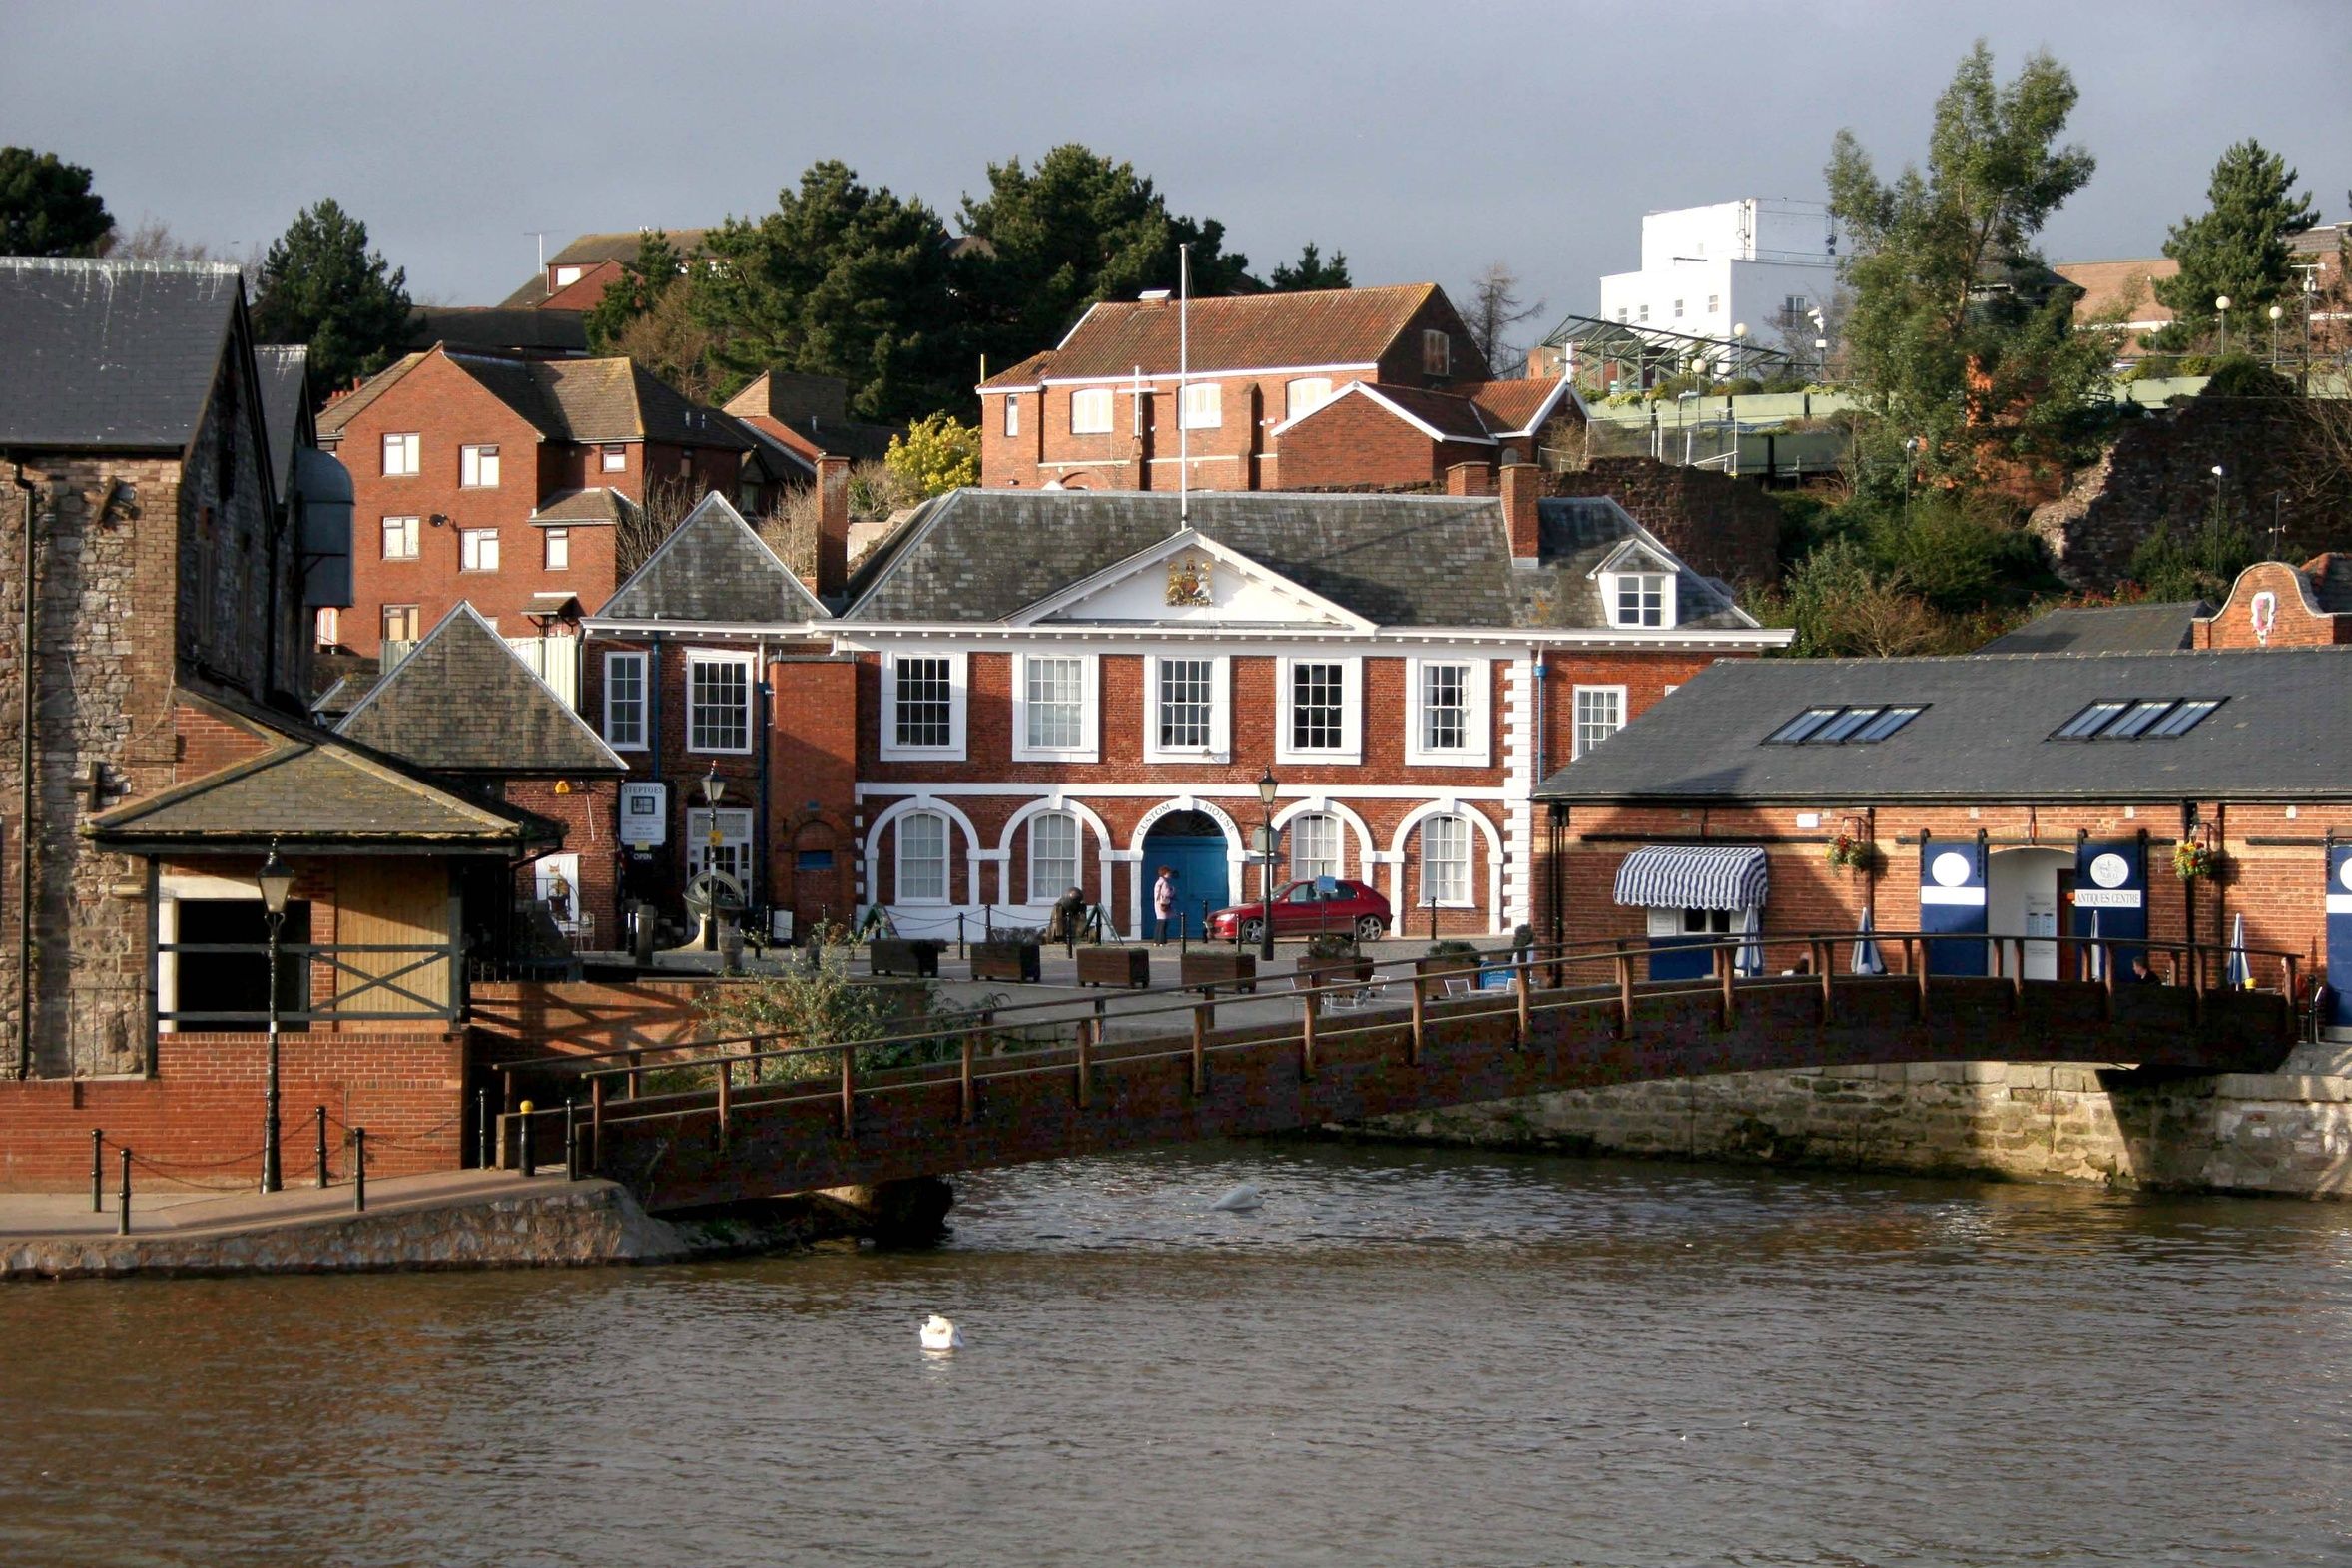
[(1521, 483), (1473, 478), (832, 526)]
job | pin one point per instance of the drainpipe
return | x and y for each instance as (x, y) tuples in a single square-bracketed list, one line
[(761, 847), (24, 763)]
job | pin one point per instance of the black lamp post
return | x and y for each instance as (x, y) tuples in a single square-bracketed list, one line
[(714, 790), (1267, 790), (275, 882)]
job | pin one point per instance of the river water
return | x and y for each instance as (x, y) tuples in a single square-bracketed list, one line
[(1403, 1357)]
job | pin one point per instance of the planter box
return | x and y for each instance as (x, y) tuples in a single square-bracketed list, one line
[(1214, 966), (905, 955), (1130, 966), (1456, 963), (1322, 971), (1015, 961)]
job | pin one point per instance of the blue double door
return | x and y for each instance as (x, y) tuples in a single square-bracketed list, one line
[(1199, 864)]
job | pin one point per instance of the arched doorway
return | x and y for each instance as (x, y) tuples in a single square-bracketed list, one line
[(1192, 846)]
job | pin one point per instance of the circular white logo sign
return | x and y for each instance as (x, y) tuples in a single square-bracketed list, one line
[(1950, 870), (2110, 870), (2344, 876)]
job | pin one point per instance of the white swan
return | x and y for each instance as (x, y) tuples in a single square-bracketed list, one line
[(942, 1335), (1242, 1198)]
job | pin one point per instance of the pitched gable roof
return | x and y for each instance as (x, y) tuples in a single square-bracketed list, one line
[(714, 569), (590, 250), (1332, 326), (463, 702), (584, 401), (1478, 413), (2104, 629), (110, 354)]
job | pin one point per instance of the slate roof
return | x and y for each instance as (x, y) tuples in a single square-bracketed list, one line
[(2284, 732), (2104, 629), (1396, 560), (597, 504), (284, 369), (498, 326), (583, 400), (462, 702), (714, 569), (310, 789), (113, 356), (1234, 332)]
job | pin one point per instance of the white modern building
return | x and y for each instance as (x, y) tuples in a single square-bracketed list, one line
[(1760, 261)]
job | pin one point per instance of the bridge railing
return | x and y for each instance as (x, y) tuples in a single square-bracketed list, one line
[(970, 1045)]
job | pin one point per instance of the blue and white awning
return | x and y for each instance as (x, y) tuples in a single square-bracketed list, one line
[(1674, 877)]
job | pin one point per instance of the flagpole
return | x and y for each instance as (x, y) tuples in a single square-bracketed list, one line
[(1183, 380)]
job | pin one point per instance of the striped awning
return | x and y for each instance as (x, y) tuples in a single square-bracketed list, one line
[(1672, 876)]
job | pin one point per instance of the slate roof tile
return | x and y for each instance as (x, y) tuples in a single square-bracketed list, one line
[(463, 702), (714, 568), (110, 355)]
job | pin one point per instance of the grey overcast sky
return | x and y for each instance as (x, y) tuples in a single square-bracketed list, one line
[(1422, 141)]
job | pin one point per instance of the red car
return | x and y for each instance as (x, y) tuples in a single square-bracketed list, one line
[(1305, 908)]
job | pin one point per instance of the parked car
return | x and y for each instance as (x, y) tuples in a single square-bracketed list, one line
[(1301, 909)]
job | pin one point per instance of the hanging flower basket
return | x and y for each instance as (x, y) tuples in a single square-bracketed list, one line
[(2193, 861), (1849, 853)]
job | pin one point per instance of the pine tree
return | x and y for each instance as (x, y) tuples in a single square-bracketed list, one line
[(321, 286), (1311, 271), (46, 206), (2237, 248)]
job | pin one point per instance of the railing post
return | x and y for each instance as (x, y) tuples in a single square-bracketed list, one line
[(2196, 973), (596, 1122), (571, 1138), (1314, 999), (98, 1169), (2295, 1023), (323, 1148), (123, 1199), (1413, 1043), (1723, 968), (848, 1094), (636, 1072), (1200, 1047), (1624, 993), (1523, 978), (2107, 978), (2016, 978), (726, 1097), (1822, 958), (1918, 974), (482, 1133), (507, 1100), (1086, 1028), (359, 1166)]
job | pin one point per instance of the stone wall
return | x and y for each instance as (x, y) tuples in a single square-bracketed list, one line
[(2283, 1133), (1724, 527)]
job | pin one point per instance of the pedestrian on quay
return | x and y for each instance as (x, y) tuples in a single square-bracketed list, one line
[(1164, 900)]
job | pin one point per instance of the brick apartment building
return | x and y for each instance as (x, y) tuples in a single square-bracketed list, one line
[(984, 723), (1361, 387), (509, 483)]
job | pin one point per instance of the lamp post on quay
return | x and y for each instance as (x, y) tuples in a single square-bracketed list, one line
[(1268, 787), (2221, 303), (2277, 314), (275, 882)]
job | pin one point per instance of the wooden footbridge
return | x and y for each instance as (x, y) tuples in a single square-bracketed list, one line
[(734, 1119)]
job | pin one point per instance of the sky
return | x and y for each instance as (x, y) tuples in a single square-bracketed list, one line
[(1425, 142)]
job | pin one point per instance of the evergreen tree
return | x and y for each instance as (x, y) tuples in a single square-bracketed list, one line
[(645, 280), (46, 206), (1960, 338), (1311, 271), (840, 280), (321, 286), (2237, 248)]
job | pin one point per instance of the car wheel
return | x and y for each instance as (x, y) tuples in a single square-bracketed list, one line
[(1252, 932), (1369, 929)]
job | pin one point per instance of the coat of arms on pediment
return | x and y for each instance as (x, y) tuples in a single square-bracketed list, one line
[(1188, 582)]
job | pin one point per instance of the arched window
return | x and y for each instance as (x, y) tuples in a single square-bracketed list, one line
[(1304, 396), (922, 858), (1053, 856), (1444, 861), (1315, 846)]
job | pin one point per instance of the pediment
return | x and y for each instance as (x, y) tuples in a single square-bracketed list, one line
[(1189, 578)]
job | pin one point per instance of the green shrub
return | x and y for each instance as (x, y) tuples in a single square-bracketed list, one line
[(2242, 376)]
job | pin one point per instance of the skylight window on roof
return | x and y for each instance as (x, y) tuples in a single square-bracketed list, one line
[(1886, 723), (2130, 726), (2183, 719), (2088, 722), (1843, 726), (1800, 726)]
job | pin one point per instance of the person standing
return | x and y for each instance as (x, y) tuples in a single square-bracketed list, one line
[(1164, 900)]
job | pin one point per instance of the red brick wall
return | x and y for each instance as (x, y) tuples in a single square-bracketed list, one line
[(2294, 624), (587, 813), (200, 1117), (1723, 527), (1355, 441)]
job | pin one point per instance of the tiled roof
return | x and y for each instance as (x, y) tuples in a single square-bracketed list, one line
[(586, 400), (2104, 629), (590, 250), (349, 405), (1240, 332), (1455, 418), (593, 505), (1510, 406), (714, 569), (110, 355), (1029, 373), (462, 702), (1395, 560), (2104, 284), (1983, 737)]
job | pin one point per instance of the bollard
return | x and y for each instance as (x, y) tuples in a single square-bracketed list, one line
[(97, 1171), (359, 1168), (323, 1148), (571, 1138), (481, 1101), (528, 1166), (123, 1210), (959, 934)]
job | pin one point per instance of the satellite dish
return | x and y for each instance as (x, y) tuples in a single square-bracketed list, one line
[(714, 892)]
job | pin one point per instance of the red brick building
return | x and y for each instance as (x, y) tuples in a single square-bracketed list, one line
[(1104, 409), (507, 482), (576, 277), (985, 723), (2274, 605)]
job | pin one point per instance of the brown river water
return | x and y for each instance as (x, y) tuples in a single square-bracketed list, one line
[(1403, 1357)]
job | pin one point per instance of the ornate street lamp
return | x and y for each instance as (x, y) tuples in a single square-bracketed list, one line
[(275, 882), (1268, 787), (714, 787)]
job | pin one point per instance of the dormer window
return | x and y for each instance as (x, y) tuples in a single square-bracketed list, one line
[(565, 276), (1640, 599)]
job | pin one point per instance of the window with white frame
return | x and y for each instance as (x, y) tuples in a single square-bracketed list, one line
[(1187, 704), (1053, 856), (922, 858), (1446, 713), (477, 548), (1444, 861), (1203, 405), (718, 701), (328, 627), (1304, 396), (401, 456), (1053, 706), (1601, 713), (399, 623), (1437, 353), (1315, 845), (922, 705), (478, 467), (613, 459), (565, 276), (1677, 309), (1641, 599), (1012, 413), (1445, 706), (558, 546), (624, 701), (1319, 706), (399, 538), (1090, 411)]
